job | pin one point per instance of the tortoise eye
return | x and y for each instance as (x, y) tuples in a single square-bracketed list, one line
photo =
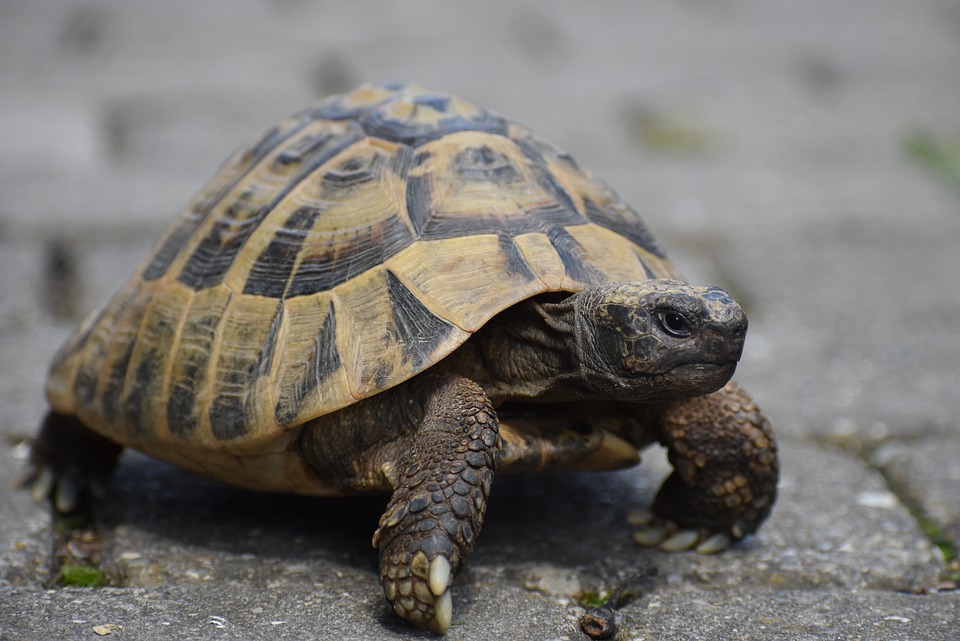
[(674, 324)]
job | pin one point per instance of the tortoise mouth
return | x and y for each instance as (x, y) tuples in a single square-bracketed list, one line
[(700, 378), (702, 368)]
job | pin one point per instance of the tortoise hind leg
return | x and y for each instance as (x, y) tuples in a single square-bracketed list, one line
[(544, 443), (435, 442), (69, 460), (725, 473)]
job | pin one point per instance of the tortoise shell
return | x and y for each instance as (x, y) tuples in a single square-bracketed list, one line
[(353, 246)]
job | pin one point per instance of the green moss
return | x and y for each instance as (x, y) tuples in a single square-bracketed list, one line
[(943, 542), (589, 599), (621, 598), (82, 576), (938, 156), (668, 133), (934, 533)]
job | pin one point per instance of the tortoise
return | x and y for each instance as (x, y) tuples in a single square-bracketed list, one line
[(396, 290)]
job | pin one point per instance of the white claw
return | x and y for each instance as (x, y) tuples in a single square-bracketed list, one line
[(639, 517), (650, 536), (714, 544), (65, 497), (42, 485), (443, 613), (682, 540), (439, 576)]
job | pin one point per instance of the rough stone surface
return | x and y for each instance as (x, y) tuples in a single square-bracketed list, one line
[(765, 143), (197, 613), (927, 476)]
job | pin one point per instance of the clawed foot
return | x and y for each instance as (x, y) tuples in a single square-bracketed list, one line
[(69, 462), (670, 537), (65, 487), (724, 482), (420, 590)]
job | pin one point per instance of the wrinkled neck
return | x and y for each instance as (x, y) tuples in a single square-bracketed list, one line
[(528, 352)]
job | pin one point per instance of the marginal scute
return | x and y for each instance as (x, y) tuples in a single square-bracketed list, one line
[(579, 272), (189, 375), (634, 262), (107, 360), (236, 390), (146, 377), (309, 368), (542, 257), (420, 332)]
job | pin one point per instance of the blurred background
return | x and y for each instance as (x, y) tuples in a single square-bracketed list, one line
[(804, 154)]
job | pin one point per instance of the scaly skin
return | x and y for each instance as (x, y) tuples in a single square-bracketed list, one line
[(725, 474), (433, 519), (439, 460)]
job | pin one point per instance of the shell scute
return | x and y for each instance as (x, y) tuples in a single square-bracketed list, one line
[(336, 224), (190, 373), (467, 279), (309, 368), (256, 202), (241, 401)]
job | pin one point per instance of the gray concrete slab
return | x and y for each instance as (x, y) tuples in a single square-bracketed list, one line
[(764, 143), (837, 533), (196, 613), (927, 475)]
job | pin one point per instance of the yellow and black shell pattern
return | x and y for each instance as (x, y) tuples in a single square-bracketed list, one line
[(354, 245)]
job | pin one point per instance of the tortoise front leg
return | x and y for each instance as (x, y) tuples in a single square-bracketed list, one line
[(725, 474), (435, 442), (440, 497)]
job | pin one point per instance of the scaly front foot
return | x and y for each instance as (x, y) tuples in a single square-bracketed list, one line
[(725, 474), (435, 514)]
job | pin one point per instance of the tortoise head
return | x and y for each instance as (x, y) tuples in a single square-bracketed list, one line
[(657, 339)]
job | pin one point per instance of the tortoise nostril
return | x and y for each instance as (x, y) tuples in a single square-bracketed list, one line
[(739, 327)]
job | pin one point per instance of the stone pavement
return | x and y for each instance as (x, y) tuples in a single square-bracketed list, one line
[(776, 149)]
